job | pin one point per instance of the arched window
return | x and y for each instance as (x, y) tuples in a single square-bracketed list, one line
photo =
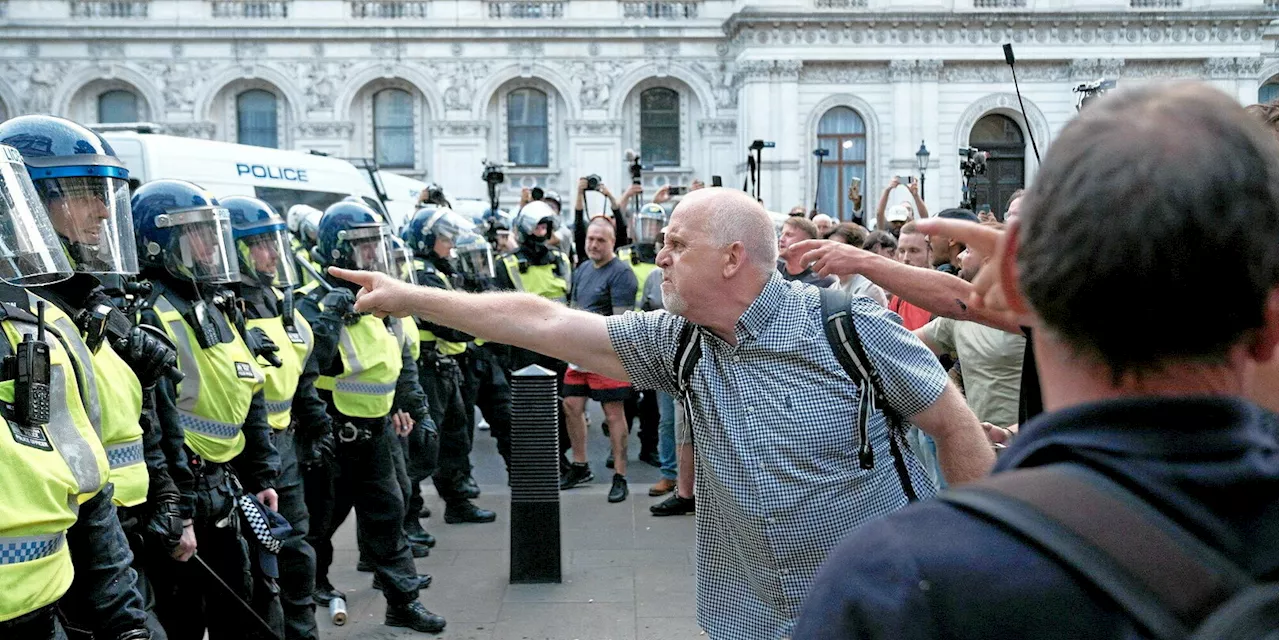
[(256, 119), (117, 106), (1002, 138), (393, 128), (660, 127), (527, 128), (843, 134), (1268, 91)]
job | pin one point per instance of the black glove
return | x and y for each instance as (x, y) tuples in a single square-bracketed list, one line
[(164, 527), (317, 452), (428, 427), (341, 303), (150, 354), (261, 345)]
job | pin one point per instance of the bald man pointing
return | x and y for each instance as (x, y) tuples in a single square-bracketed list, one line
[(772, 411)]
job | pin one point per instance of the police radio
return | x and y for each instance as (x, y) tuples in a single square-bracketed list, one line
[(30, 371)]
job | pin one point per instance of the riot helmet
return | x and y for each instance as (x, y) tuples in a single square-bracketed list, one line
[(262, 242), (649, 222), (402, 261), (84, 188), (530, 219), (310, 227), (354, 236), (30, 254), (298, 213), (185, 230)]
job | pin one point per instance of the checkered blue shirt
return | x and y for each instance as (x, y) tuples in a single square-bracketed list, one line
[(778, 480)]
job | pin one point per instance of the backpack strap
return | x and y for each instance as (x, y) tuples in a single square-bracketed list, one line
[(1163, 576), (842, 335), (688, 352)]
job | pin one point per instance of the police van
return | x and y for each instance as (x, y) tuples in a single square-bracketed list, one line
[(279, 177), (401, 195)]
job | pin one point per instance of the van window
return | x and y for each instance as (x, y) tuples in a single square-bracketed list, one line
[(282, 199)]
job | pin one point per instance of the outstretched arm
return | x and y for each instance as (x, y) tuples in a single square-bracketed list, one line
[(528, 321)]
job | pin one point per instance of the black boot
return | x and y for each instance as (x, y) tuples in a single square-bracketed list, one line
[(462, 510), (424, 581), (364, 566), (414, 616), (416, 534), (325, 593), (465, 487), (424, 513)]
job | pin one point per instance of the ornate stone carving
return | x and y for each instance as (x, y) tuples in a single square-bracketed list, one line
[(33, 51), (1250, 67), (901, 70), (326, 129), (1111, 67), (319, 80), (594, 81), (718, 127), (202, 129), (1163, 69), (720, 76), (175, 80), (929, 69), (788, 70), (1220, 68), (460, 80), (844, 73), (593, 49), (755, 69), (34, 82), (609, 128), (460, 128), (317, 49)]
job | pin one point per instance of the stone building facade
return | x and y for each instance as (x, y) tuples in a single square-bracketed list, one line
[(561, 88)]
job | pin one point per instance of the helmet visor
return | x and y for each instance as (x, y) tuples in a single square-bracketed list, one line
[(648, 227), (201, 248), (91, 215), (371, 248), (403, 259), (30, 254), (267, 255), (475, 256)]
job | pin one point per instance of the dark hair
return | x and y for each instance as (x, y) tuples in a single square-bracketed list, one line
[(1146, 201), (959, 214), (877, 239), (849, 233), (804, 224), (1267, 112)]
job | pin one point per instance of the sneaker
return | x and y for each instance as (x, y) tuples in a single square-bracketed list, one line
[(414, 616), (618, 492), (577, 474), (662, 487), (673, 506)]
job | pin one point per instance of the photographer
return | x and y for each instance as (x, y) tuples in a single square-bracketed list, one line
[(594, 183), (920, 211)]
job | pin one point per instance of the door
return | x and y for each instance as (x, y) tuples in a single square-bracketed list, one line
[(1002, 138)]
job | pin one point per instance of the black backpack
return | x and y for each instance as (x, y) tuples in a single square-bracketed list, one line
[(845, 343), (1166, 579)]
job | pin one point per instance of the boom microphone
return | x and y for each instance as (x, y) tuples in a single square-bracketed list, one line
[(1008, 58)]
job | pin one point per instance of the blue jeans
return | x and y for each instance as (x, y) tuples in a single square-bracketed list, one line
[(667, 435)]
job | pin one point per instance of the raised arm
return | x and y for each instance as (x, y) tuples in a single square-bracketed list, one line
[(528, 321), (922, 211), (884, 202)]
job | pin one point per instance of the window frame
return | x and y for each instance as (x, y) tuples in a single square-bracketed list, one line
[(238, 96), (411, 127), (677, 125), (119, 90), (509, 129), (844, 209)]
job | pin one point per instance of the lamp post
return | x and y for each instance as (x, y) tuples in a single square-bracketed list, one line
[(922, 161)]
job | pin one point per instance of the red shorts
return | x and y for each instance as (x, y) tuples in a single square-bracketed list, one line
[(586, 384)]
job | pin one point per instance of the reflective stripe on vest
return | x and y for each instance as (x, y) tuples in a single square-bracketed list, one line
[(282, 382), (539, 280), (443, 347), (215, 396), (112, 397), (43, 486), (371, 363)]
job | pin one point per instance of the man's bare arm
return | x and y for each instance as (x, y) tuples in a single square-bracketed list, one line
[(518, 319), (934, 291), (964, 452)]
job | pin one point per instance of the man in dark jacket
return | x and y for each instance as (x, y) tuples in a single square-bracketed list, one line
[(1160, 410)]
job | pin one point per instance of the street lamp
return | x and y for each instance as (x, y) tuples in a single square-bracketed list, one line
[(922, 161)]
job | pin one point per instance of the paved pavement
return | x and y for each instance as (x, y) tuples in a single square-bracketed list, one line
[(627, 575)]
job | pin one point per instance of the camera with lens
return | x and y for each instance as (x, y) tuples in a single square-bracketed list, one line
[(593, 182), (973, 162), (1090, 91), (493, 173)]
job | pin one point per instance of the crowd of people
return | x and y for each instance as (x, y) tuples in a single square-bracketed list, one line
[(200, 390)]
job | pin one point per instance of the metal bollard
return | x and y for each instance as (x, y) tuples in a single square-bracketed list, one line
[(338, 611), (535, 477)]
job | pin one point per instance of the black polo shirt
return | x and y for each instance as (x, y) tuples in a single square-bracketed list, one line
[(933, 571)]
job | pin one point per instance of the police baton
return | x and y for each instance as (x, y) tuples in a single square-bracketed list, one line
[(311, 270), (266, 628)]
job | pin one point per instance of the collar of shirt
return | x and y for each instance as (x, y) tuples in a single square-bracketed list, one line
[(757, 316), (1147, 427)]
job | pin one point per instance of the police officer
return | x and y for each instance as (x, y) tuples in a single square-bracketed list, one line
[(301, 428), (88, 200), (540, 269), (215, 421), (361, 364), (60, 535), (641, 255), (432, 234), (303, 225)]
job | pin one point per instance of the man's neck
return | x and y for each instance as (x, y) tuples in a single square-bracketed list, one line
[(736, 301), (795, 267), (1068, 379), (601, 263)]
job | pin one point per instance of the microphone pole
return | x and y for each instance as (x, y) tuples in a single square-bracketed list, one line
[(1008, 58)]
